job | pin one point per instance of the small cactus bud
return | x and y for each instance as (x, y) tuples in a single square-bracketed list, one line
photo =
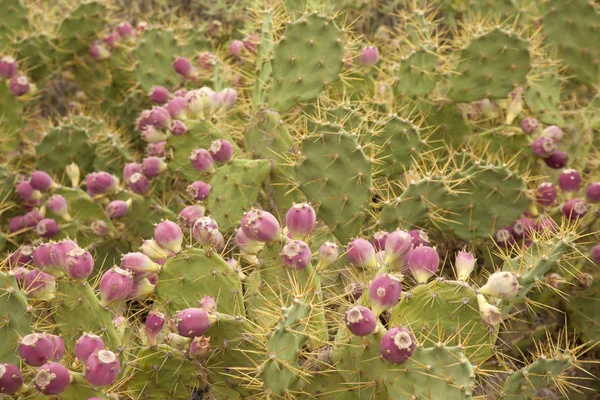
[(546, 194), (11, 379), (465, 264), (80, 264), (74, 174), (300, 220), (9, 67), (328, 254), (261, 225), (592, 192), (16, 224), (569, 180), (558, 159), (140, 265), (198, 190), (553, 132), (159, 94), (360, 321), (115, 285), (193, 322), (52, 378), (368, 56), (153, 166), (19, 85), (169, 236), (86, 345), (153, 250), (102, 368), (397, 345), (42, 181), (490, 314), (40, 285), (378, 240), (177, 108), (504, 236), (101, 183), (197, 100), (189, 215), (35, 349), (529, 125), (59, 206), (228, 98), (208, 304), (125, 30), (398, 247), (99, 228), (117, 209), (361, 254), (177, 128), (22, 256), (221, 150), (543, 146), (236, 48), (384, 292), (138, 183), (154, 324), (353, 292), (423, 262), (183, 66), (296, 255), (199, 347), (203, 161), (575, 208), (501, 284)]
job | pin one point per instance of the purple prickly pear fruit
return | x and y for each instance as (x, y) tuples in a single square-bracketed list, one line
[(546, 223), (111, 39), (52, 378), (523, 227), (261, 225), (102, 368), (221, 150), (398, 247), (59, 206), (368, 56), (397, 345), (101, 183), (35, 349), (203, 161), (138, 183), (423, 262), (384, 292), (154, 324), (504, 236), (189, 215), (22, 256), (553, 132), (206, 60), (180, 92), (558, 159), (177, 128), (419, 237), (156, 149), (153, 166), (8, 67), (115, 285), (58, 347), (228, 98), (40, 285), (246, 244), (19, 85), (11, 379), (378, 240), (595, 254), (353, 292), (361, 254), (529, 125), (153, 250), (193, 322), (208, 304), (59, 253), (124, 29), (543, 146), (42, 181), (360, 321), (159, 118), (183, 66), (169, 236), (300, 220), (47, 228), (296, 254), (41, 256), (236, 48), (251, 42), (117, 209), (575, 208), (490, 314), (546, 194), (198, 190), (177, 108), (16, 224), (28, 193), (159, 94), (80, 264), (569, 180), (20, 273), (98, 51), (197, 100), (141, 289), (501, 284), (32, 218), (130, 169), (592, 192), (199, 347), (204, 230), (328, 254), (143, 121), (465, 264), (140, 265)]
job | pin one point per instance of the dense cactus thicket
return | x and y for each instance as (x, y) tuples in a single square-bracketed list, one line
[(339, 200)]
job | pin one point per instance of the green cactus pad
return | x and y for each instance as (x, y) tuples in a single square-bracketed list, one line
[(491, 66), (234, 189), (446, 124), (38, 52), (81, 26), (81, 206), (582, 309), (163, 373), (15, 318), (446, 313), (525, 383), (542, 95), (571, 27), (308, 56), (11, 116), (154, 55), (195, 273), (335, 176), (263, 62), (417, 74), (14, 19), (63, 145)]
